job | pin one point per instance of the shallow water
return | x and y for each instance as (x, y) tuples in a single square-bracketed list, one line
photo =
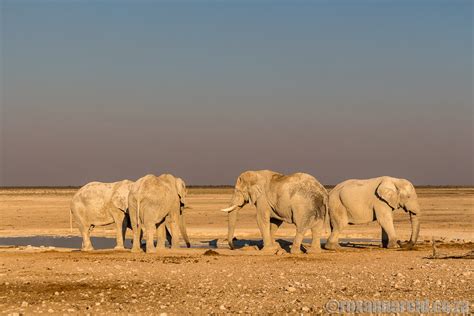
[(108, 243)]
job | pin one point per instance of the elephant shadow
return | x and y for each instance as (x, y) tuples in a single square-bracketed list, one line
[(243, 243), (284, 244), (358, 245)]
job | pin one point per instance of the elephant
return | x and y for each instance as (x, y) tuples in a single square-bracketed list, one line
[(154, 203), (296, 199), (363, 201), (99, 204)]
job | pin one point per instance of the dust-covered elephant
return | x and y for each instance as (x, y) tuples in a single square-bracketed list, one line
[(363, 201), (99, 204), (296, 199), (157, 203)]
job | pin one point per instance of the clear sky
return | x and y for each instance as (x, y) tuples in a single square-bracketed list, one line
[(106, 90)]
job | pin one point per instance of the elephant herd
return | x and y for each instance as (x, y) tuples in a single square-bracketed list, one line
[(155, 204)]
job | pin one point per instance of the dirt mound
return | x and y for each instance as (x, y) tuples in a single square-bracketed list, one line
[(211, 252)]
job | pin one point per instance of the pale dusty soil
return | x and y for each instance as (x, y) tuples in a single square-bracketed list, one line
[(186, 281), (247, 281)]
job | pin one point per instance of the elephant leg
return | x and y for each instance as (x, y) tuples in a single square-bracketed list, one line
[(274, 225), (86, 240), (296, 247), (119, 231), (263, 222), (150, 238), (161, 235), (303, 220), (173, 225), (338, 221), (135, 225), (316, 234), (389, 237), (125, 225)]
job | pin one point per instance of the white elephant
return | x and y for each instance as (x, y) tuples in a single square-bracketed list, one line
[(99, 204), (156, 204), (364, 201), (296, 199)]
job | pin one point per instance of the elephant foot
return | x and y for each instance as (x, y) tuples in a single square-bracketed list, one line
[(332, 246), (119, 248), (295, 250), (150, 250), (394, 244), (313, 250), (87, 248), (136, 250), (270, 249)]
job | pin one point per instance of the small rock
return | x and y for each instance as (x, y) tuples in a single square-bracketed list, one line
[(222, 308), (56, 293), (305, 309), (210, 252), (24, 304), (290, 289), (50, 310)]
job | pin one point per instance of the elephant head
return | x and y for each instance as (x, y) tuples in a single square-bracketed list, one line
[(181, 189), (249, 188), (400, 193)]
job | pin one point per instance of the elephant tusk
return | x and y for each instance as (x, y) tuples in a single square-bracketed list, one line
[(229, 209)]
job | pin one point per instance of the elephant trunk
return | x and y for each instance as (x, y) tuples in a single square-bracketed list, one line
[(231, 227), (415, 228), (238, 201), (182, 228), (413, 208)]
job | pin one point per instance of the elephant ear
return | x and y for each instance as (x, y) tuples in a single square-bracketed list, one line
[(120, 200), (387, 191), (181, 189), (254, 193)]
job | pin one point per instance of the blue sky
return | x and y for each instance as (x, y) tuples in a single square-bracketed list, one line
[(106, 90)]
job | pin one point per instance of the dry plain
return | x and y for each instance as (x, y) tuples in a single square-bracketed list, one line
[(62, 280)]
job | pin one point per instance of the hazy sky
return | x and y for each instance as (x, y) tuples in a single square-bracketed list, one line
[(106, 90)]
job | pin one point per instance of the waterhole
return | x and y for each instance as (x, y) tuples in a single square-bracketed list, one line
[(108, 243)]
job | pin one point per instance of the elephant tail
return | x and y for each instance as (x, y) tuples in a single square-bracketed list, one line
[(138, 213), (327, 221)]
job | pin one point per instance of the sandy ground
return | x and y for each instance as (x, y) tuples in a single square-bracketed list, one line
[(34, 280), (448, 213)]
